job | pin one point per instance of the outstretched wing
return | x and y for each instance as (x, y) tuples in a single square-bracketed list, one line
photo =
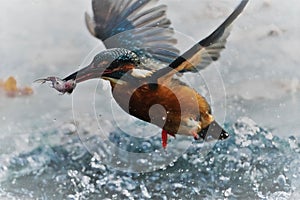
[(205, 51), (128, 24)]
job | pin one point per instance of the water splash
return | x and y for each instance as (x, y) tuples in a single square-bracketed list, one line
[(251, 164)]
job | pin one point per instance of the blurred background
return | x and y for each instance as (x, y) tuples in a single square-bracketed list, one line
[(259, 69)]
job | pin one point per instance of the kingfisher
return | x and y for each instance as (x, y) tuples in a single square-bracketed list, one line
[(144, 67)]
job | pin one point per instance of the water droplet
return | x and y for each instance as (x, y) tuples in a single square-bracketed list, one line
[(227, 192), (281, 180), (85, 180), (72, 173), (145, 191), (171, 164), (142, 161)]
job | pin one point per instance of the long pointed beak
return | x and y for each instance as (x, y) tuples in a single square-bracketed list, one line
[(215, 131), (68, 84), (86, 73)]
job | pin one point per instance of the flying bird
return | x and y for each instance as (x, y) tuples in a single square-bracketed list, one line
[(143, 66)]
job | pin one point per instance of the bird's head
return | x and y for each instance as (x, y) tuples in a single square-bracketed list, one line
[(112, 65)]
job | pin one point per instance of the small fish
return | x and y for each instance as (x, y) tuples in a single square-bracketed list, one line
[(60, 85)]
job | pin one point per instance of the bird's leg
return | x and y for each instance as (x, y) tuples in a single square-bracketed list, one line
[(164, 138), (196, 136)]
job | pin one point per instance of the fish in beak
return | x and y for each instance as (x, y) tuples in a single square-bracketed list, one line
[(60, 85), (110, 64), (68, 84)]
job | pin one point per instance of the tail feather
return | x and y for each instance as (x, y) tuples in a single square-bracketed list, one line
[(213, 131)]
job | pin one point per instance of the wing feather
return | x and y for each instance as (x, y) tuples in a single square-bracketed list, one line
[(205, 51), (129, 24)]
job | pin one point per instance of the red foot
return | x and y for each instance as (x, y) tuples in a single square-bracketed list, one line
[(164, 138)]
